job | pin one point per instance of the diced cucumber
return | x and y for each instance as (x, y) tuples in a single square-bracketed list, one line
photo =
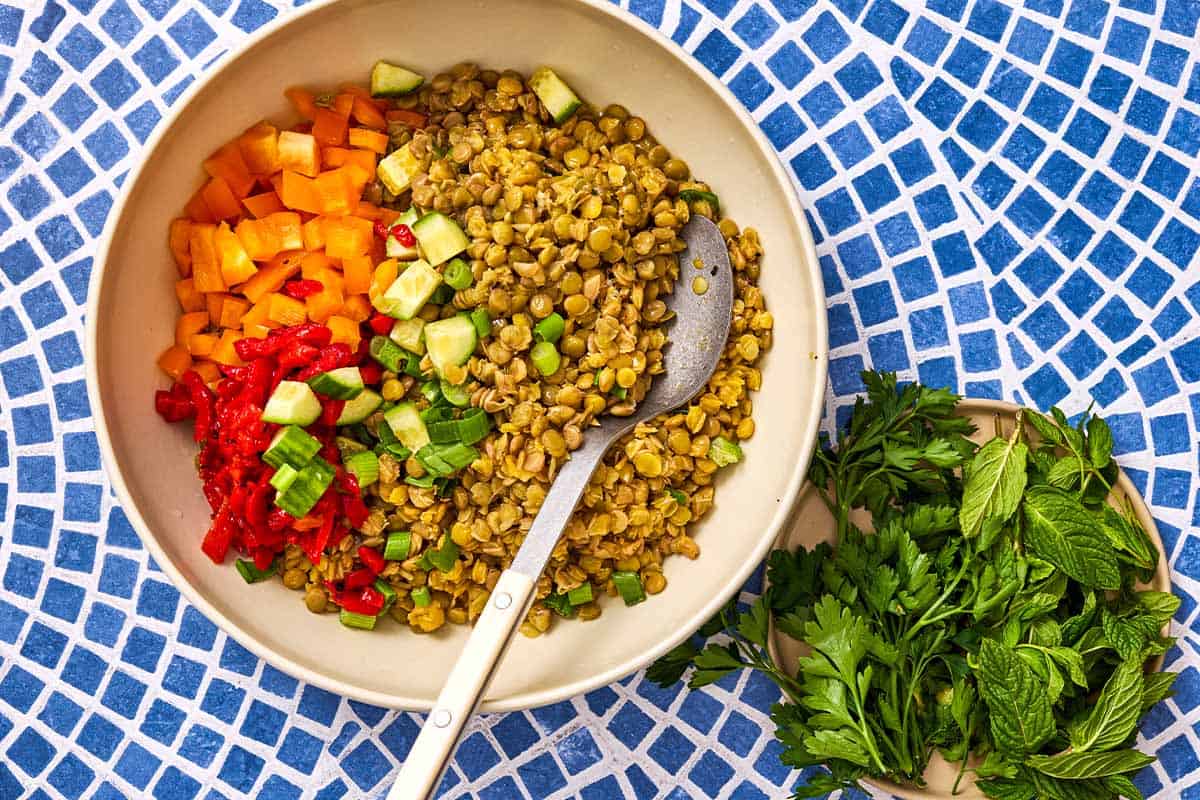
[(439, 237), (398, 169), (291, 446), (408, 334), (292, 403), (360, 408), (364, 466), (345, 383), (450, 342), (390, 80), (405, 422), (555, 95), (455, 395), (304, 492), (284, 477), (393, 247), (410, 291)]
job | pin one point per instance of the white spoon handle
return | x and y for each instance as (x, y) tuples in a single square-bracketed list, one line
[(421, 771)]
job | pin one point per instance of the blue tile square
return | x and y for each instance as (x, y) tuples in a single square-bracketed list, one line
[(1038, 271), (263, 723), (837, 211), (201, 745), (20, 688), (825, 37), (822, 104), (1111, 387), (897, 234), (980, 352), (1166, 63), (79, 47), (107, 145), (1154, 382), (1127, 40), (915, 279), (1069, 62), (885, 19), (1046, 387), (1082, 356), (1029, 211), (143, 649), (162, 722), (967, 62), (888, 118), (1109, 88), (858, 77), (1184, 133), (906, 78), (1048, 107), (1140, 216), (755, 27), (301, 750), (956, 157), (1181, 18), (1178, 243), (222, 700), (100, 737), (252, 15), (1111, 255), (1116, 320), (1008, 84), (1171, 488), (1029, 40), (888, 352), (913, 163), (671, 750), (1128, 156), (1079, 292), (1146, 111), (23, 575), (926, 40), (1171, 319), (812, 168), (114, 84), (876, 188), (875, 303), (750, 87), (62, 600), (940, 103), (1070, 234), (1134, 352), (782, 126), (928, 328), (123, 694), (790, 64), (850, 145), (1045, 327), (981, 126), (938, 372), (1086, 132), (61, 714), (1165, 175), (1023, 147), (989, 18), (992, 185), (1171, 435), (198, 632), (42, 74), (175, 785), (43, 645), (104, 624), (710, 773), (858, 256), (1149, 283), (1100, 195), (191, 33), (30, 752), (84, 670), (1087, 17), (241, 768)]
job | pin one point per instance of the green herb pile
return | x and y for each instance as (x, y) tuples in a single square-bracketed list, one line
[(991, 611)]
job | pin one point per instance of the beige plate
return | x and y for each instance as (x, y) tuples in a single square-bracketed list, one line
[(608, 56), (811, 523)]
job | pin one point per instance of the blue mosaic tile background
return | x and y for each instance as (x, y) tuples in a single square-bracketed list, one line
[(1006, 200)]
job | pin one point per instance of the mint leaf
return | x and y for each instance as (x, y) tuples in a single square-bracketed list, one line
[(1156, 688), (1122, 786), (1127, 636), (1078, 766), (994, 483), (1100, 442), (1160, 606), (1115, 714), (1007, 789), (1061, 531), (1020, 715), (1127, 535), (1045, 428)]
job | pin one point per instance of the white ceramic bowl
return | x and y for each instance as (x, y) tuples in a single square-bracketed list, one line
[(607, 56)]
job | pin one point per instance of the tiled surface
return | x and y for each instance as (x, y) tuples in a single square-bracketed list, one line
[(1006, 200)]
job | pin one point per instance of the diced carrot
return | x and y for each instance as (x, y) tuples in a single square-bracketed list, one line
[(221, 200), (300, 193), (272, 276), (232, 311), (259, 146), (369, 114), (329, 127), (334, 157), (302, 100), (276, 182), (327, 302), (197, 210), (361, 165), (228, 164), (189, 324), (201, 345), (224, 353), (189, 298), (344, 330), (213, 302), (253, 236), (259, 313), (369, 139), (343, 103), (178, 239), (236, 266), (367, 210), (287, 310), (387, 216), (337, 193), (355, 89), (357, 271), (175, 361), (385, 276), (206, 269), (313, 232), (285, 226), (313, 265), (347, 236), (299, 153), (413, 119), (262, 204), (357, 307), (208, 371), (255, 331)]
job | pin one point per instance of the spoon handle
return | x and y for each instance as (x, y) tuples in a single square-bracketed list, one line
[(421, 771)]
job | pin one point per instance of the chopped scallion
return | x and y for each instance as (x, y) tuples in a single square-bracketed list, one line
[(550, 329), (559, 604), (412, 365), (723, 452), (385, 589), (455, 395), (284, 477), (251, 573), (363, 466), (443, 432), (442, 294), (693, 195), (291, 446), (474, 426), (431, 391), (307, 488), (421, 596), (350, 619), (444, 557), (387, 353), (580, 595), (629, 586), (423, 482), (482, 322), (398, 546), (619, 392), (545, 357), (457, 274), (679, 497)]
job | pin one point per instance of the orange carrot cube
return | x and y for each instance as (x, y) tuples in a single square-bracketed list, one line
[(367, 113), (213, 302), (357, 307), (302, 100), (312, 265), (313, 233), (224, 353), (343, 102), (236, 266), (346, 237), (357, 271), (189, 298), (385, 276), (287, 310), (189, 324), (175, 361), (344, 330), (262, 204), (208, 371), (221, 200), (329, 127), (232, 311), (201, 345), (368, 139), (259, 147), (206, 269), (336, 192), (271, 277), (228, 164), (178, 238), (196, 210), (285, 227), (299, 193)]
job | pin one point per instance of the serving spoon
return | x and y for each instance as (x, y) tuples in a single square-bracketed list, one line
[(702, 304)]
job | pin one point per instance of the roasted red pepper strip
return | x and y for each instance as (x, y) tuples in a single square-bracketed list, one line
[(302, 289), (202, 402), (381, 324), (363, 576), (372, 558)]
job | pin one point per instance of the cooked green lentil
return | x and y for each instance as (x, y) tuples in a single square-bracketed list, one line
[(582, 219)]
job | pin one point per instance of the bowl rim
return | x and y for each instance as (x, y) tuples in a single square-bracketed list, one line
[(648, 36)]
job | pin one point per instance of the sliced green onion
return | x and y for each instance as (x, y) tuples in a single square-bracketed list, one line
[(424, 563), (445, 556), (307, 488), (458, 274), (437, 413), (619, 392), (421, 596), (723, 452), (442, 294), (389, 354), (444, 486), (443, 432), (455, 395), (364, 467), (432, 461), (398, 546), (412, 365), (550, 329), (692, 195), (347, 446), (385, 589), (580, 594), (474, 426), (458, 456), (431, 391), (679, 497), (559, 604), (545, 357), (482, 321), (629, 585), (291, 446), (284, 477), (350, 619), (251, 573), (423, 482)]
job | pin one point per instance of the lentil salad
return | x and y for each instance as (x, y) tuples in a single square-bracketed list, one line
[(569, 220)]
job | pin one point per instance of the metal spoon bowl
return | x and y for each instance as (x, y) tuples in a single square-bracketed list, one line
[(697, 334)]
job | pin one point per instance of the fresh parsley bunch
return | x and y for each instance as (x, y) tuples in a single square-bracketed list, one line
[(991, 613)]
